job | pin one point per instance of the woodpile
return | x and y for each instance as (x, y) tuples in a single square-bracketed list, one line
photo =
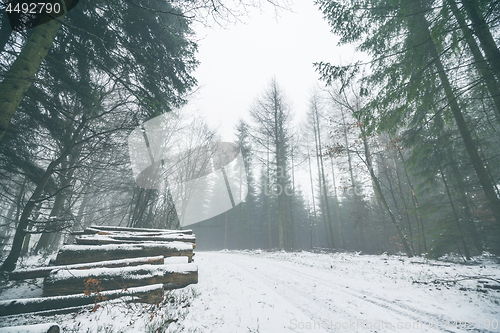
[(110, 262)]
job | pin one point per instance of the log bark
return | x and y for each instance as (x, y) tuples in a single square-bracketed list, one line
[(102, 241), (23, 71), (74, 254), (69, 282), (469, 143), (40, 272), (109, 240), (483, 33), (479, 61), (38, 328), (117, 239), (378, 188), (151, 294), (113, 228)]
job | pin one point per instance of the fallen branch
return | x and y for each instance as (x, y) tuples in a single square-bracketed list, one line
[(460, 278), (430, 264)]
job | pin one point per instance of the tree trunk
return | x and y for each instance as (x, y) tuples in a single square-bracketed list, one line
[(22, 72), (14, 208), (327, 204), (379, 216), (403, 199), (269, 234), (339, 223), (280, 169), (313, 199), (358, 223), (79, 217), (390, 181), (483, 33), (47, 239), (321, 193), (458, 180), (479, 61), (291, 230), (470, 145), (10, 263), (455, 215), (415, 203), (5, 31), (368, 162)]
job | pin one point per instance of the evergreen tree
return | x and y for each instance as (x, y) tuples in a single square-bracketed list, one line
[(272, 117), (97, 80), (414, 47)]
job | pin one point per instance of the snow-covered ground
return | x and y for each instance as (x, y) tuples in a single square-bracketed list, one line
[(256, 291)]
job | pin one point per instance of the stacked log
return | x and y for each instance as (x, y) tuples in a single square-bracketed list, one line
[(151, 294), (118, 261), (74, 254), (39, 272), (67, 282), (101, 244), (39, 328)]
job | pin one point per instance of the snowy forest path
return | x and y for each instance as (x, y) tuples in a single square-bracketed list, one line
[(257, 294)]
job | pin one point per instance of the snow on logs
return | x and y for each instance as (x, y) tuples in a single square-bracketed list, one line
[(119, 261), (110, 243), (39, 272), (151, 294), (67, 282), (95, 229), (132, 239), (74, 254), (38, 328), (98, 244)]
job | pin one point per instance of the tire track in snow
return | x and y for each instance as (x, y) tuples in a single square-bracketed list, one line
[(233, 300), (335, 302)]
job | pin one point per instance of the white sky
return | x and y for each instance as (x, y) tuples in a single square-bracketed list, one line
[(238, 62)]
